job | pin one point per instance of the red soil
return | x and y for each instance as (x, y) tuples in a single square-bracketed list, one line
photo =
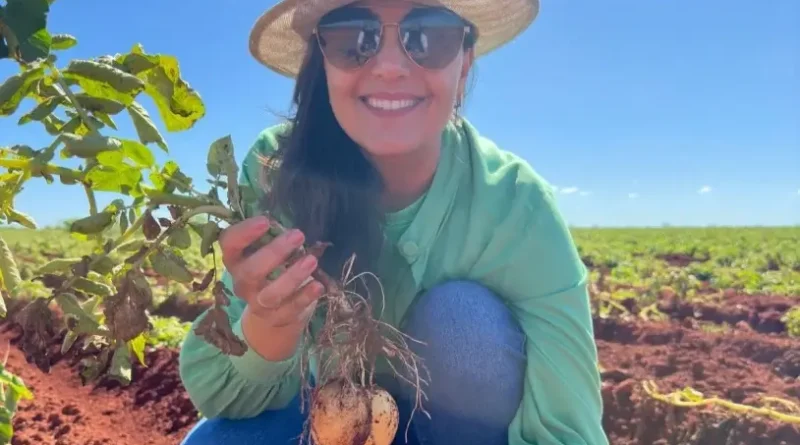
[(754, 358)]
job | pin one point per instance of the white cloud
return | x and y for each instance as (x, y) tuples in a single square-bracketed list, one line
[(633, 195), (569, 190), (704, 189)]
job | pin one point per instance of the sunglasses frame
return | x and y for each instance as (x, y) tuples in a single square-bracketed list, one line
[(383, 25)]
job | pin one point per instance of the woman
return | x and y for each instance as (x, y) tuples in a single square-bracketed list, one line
[(474, 259)]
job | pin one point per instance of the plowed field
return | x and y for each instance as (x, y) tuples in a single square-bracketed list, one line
[(697, 317)]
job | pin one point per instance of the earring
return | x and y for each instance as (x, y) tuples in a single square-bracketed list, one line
[(456, 110)]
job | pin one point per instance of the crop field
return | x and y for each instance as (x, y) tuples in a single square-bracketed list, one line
[(698, 332)]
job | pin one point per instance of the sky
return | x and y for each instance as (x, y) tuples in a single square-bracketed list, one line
[(642, 113)]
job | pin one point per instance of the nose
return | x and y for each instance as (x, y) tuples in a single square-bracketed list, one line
[(391, 61)]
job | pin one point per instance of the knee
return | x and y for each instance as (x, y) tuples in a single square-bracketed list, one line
[(465, 323)]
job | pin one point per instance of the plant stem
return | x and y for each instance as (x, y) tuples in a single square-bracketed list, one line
[(91, 198), (71, 97), (218, 211), (50, 169)]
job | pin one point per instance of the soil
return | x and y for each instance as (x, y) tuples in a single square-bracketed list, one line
[(747, 357)]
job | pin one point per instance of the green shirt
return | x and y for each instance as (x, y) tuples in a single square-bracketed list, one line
[(488, 217)]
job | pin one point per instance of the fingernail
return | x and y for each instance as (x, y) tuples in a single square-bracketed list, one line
[(308, 262), (295, 236)]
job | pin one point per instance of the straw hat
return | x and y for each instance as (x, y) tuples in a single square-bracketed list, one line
[(279, 37)]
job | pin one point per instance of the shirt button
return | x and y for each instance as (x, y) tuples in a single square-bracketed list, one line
[(410, 250)]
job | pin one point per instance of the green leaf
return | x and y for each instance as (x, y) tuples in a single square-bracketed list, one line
[(20, 218), (57, 265), (106, 119), (87, 323), (90, 102), (123, 180), (16, 87), (92, 224), (137, 345), (27, 20), (138, 153), (37, 46), (103, 80), (6, 427), (15, 382), (171, 266), (180, 238), (113, 159), (145, 128), (41, 111), (3, 49), (179, 105), (62, 42), (120, 368), (92, 287)]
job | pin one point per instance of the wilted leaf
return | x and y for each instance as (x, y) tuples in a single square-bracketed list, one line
[(179, 105), (220, 154), (215, 328), (9, 273), (150, 226)]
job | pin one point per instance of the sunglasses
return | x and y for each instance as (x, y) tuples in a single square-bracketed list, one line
[(431, 37)]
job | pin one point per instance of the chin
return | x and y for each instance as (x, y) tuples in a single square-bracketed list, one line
[(383, 146)]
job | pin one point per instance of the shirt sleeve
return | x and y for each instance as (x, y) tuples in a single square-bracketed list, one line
[(532, 262), (220, 385)]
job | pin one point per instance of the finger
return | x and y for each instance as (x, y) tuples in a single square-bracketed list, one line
[(235, 238), (278, 291), (296, 309), (254, 269)]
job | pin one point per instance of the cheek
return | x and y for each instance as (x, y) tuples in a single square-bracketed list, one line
[(341, 89)]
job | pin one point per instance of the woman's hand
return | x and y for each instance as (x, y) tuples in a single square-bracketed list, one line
[(277, 311)]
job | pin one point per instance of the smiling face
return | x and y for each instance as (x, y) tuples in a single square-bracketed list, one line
[(391, 105)]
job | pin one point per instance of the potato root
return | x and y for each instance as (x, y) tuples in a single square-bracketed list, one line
[(345, 414)]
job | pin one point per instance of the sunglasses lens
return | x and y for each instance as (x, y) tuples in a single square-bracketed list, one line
[(432, 38), (349, 44)]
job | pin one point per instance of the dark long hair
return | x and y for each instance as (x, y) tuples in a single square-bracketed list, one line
[(322, 181)]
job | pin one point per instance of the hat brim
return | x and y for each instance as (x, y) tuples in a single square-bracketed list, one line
[(278, 39)]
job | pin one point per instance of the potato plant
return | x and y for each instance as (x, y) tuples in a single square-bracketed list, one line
[(103, 295)]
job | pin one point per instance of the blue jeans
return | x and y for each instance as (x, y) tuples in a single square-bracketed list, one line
[(474, 352)]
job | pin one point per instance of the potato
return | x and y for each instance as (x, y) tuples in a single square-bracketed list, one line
[(345, 414)]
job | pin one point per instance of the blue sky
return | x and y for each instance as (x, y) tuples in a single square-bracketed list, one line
[(641, 112)]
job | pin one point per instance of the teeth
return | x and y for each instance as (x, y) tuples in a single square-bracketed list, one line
[(391, 104)]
